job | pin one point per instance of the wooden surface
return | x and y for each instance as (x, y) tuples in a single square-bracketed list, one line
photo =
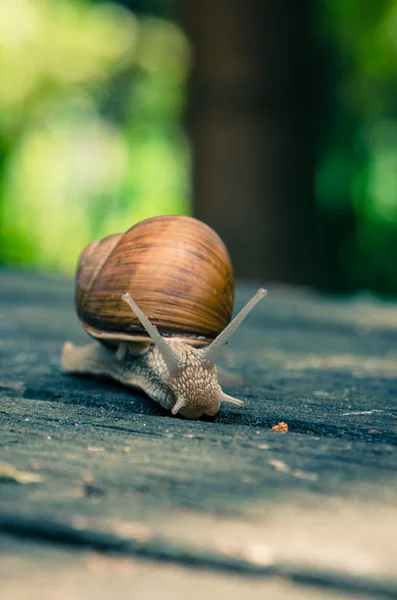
[(137, 503)]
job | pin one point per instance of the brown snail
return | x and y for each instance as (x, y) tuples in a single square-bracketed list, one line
[(159, 299)]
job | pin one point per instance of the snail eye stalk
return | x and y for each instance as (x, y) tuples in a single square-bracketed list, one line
[(170, 358), (211, 353)]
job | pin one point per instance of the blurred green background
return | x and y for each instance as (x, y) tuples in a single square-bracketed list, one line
[(92, 137), (356, 168), (91, 142)]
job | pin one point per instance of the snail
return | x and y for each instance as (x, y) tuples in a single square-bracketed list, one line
[(158, 302)]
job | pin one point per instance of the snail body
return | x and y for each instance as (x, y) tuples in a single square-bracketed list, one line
[(158, 301)]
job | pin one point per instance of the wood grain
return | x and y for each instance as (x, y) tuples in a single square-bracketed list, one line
[(218, 500)]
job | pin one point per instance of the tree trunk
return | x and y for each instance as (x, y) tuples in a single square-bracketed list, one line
[(249, 119)]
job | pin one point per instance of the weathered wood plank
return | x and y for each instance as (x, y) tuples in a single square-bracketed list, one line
[(56, 573), (316, 504)]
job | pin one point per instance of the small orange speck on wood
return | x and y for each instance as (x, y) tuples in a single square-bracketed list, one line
[(281, 426)]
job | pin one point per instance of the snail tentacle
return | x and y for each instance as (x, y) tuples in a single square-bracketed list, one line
[(226, 398), (170, 358), (180, 403), (211, 353)]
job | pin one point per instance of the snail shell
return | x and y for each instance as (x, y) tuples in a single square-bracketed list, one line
[(178, 271)]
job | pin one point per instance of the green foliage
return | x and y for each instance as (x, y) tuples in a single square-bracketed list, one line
[(357, 168), (91, 97), (90, 100)]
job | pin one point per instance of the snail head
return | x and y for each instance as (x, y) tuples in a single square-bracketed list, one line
[(192, 371)]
